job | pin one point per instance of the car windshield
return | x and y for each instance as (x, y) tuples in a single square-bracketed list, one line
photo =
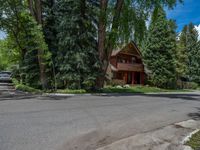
[(5, 74)]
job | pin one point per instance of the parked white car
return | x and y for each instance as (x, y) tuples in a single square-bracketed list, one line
[(5, 76)]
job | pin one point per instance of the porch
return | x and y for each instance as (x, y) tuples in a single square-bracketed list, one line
[(130, 77)]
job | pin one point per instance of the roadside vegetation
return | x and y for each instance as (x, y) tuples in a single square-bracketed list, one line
[(120, 89), (70, 91), (69, 46), (194, 142), (21, 87), (138, 89)]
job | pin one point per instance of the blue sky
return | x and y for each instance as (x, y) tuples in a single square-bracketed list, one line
[(185, 13), (2, 35)]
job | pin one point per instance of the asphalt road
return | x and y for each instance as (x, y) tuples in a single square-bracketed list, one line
[(87, 122)]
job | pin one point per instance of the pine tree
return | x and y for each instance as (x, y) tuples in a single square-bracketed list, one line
[(181, 55), (159, 50), (193, 50), (77, 59)]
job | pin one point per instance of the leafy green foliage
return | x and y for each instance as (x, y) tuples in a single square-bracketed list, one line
[(68, 40), (70, 91), (5, 55), (21, 87), (137, 89), (25, 88), (26, 37)]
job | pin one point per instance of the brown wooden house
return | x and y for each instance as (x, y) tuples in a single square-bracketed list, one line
[(126, 65)]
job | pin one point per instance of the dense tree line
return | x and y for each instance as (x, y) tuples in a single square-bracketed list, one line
[(67, 43), (168, 56), (189, 45)]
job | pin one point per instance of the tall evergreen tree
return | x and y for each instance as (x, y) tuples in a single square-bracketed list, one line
[(193, 50), (181, 55), (77, 59), (160, 48)]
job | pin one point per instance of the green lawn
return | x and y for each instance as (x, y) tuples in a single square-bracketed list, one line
[(134, 89), (194, 142), (108, 89), (138, 89), (69, 91)]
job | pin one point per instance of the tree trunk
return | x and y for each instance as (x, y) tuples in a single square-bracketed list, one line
[(35, 7), (101, 41), (105, 51)]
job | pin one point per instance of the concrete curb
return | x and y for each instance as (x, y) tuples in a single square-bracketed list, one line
[(172, 137), (117, 94), (187, 138)]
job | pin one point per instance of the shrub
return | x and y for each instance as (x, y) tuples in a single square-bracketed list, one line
[(116, 82), (69, 91), (26, 88), (186, 85), (15, 81), (192, 85)]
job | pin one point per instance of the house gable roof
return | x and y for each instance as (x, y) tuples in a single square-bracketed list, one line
[(130, 48)]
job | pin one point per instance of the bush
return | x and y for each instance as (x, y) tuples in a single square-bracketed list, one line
[(26, 88), (69, 91), (186, 85), (133, 89), (192, 85), (15, 81), (116, 82)]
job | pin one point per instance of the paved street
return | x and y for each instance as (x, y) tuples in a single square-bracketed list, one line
[(87, 122)]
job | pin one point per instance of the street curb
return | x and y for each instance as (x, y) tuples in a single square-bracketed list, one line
[(158, 139), (187, 138), (116, 94)]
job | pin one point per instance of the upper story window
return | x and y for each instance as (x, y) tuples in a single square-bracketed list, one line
[(133, 59), (122, 60), (128, 60)]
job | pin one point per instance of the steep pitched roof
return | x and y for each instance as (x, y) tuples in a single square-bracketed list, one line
[(127, 49)]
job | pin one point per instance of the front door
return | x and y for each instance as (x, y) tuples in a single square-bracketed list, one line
[(129, 78), (137, 78)]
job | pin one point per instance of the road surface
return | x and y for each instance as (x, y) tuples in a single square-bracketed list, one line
[(87, 122)]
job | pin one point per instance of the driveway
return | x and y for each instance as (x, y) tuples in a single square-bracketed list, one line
[(88, 122)]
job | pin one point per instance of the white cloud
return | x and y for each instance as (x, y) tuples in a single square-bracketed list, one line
[(198, 29)]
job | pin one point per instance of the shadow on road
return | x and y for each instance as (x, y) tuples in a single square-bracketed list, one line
[(54, 97), (195, 116), (192, 97), (15, 97), (32, 96)]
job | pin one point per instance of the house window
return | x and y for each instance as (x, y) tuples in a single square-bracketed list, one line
[(121, 60), (133, 60)]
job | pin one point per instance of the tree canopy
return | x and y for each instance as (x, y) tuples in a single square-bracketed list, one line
[(68, 44)]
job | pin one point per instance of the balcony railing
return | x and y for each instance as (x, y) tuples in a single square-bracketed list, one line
[(130, 67)]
